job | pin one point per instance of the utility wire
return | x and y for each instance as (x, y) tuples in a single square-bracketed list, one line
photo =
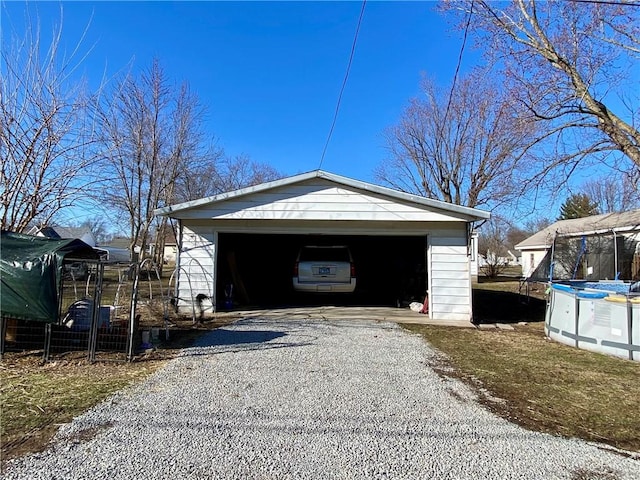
[(455, 75), (344, 84), (620, 3)]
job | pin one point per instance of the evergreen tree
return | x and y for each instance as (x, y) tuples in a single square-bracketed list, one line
[(578, 205)]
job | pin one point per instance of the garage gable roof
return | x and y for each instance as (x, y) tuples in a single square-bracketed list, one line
[(257, 202)]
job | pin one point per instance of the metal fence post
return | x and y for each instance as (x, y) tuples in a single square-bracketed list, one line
[(47, 341), (630, 327), (95, 323), (577, 322)]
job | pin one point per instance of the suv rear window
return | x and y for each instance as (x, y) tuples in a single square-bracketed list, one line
[(324, 254)]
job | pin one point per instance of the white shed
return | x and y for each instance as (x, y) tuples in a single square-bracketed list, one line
[(403, 245)]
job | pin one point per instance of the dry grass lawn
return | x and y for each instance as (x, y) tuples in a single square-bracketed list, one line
[(543, 385), (36, 397)]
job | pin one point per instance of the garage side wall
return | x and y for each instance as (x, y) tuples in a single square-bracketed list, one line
[(196, 268), (449, 279)]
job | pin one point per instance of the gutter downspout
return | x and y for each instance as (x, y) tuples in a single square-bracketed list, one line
[(551, 260), (616, 273)]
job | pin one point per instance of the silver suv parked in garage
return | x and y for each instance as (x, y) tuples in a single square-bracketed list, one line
[(324, 269)]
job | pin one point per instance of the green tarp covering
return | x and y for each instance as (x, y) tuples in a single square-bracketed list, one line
[(31, 273)]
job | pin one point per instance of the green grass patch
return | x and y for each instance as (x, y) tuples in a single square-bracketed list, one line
[(546, 386)]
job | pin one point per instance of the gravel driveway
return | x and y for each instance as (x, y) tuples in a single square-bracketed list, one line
[(314, 399)]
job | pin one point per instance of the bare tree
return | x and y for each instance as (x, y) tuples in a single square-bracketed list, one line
[(220, 173), (468, 145), (534, 225), (492, 246), (45, 129), (151, 132), (199, 180), (614, 193), (515, 235), (98, 227), (571, 64), (240, 171)]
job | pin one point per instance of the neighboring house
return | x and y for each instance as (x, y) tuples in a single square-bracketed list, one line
[(475, 257), (65, 233), (118, 242), (400, 243), (510, 260), (608, 245), (116, 250), (170, 252)]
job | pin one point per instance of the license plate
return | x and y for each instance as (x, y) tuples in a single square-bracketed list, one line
[(324, 271)]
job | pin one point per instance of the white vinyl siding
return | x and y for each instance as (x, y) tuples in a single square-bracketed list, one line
[(528, 267), (196, 267), (449, 278), (316, 201)]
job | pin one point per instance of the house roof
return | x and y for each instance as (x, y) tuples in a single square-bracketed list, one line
[(62, 233), (592, 225), (336, 179), (57, 232), (117, 242)]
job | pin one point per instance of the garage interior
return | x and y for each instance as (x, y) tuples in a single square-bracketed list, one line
[(389, 269)]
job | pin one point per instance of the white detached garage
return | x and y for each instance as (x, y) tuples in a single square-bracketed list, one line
[(403, 245)]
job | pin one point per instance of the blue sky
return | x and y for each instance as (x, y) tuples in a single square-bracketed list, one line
[(269, 73)]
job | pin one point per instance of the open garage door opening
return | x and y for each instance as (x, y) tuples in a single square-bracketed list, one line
[(257, 270)]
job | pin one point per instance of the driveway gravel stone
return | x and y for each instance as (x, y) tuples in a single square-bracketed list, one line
[(308, 399)]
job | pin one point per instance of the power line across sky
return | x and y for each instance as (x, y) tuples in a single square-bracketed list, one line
[(270, 73)]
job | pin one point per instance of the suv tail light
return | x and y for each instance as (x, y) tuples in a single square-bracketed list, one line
[(295, 269), (353, 270)]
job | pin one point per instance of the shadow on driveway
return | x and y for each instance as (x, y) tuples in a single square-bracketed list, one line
[(230, 340), (224, 337)]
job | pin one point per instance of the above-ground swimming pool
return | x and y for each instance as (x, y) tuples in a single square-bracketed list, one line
[(598, 316), (606, 286)]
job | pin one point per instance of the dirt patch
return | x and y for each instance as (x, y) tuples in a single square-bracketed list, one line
[(584, 474)]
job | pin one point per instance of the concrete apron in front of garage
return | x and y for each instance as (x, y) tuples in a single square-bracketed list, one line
[(332, 313)]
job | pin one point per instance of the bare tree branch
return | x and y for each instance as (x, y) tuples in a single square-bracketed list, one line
[(477, 157), (46, 148), (569, 60)]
